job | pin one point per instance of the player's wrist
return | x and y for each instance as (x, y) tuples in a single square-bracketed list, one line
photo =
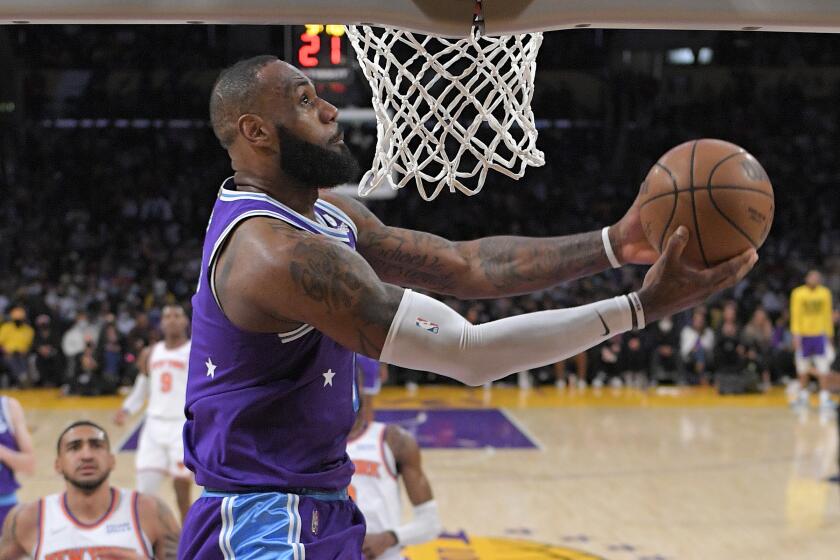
[(652, 304), (612, 245), (395, 540)]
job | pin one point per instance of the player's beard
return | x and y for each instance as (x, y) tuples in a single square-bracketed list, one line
[(87, 486), (312, 165)]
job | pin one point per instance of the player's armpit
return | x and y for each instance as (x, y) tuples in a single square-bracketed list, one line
[(413, 259), (273, 276)]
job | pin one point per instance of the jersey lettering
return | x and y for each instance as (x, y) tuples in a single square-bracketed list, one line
[(86, 553)]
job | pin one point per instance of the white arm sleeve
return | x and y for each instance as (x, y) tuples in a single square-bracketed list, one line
[(138, 395), (424, 525), (428, 335)]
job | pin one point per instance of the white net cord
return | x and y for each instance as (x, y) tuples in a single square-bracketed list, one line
[(448, 110)]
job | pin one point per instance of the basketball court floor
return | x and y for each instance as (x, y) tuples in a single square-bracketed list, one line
[(609, 474)]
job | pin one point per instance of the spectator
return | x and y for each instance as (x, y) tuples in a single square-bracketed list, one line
[(609, 363), (729, 353), (110, 354), (88, 378), (757, 338), (665, 343), (696, 345), (16, 337), (74, 341), (48, 359), (634, 360)]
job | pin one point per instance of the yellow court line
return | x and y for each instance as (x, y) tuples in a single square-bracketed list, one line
[(551, 397), (451, 396)]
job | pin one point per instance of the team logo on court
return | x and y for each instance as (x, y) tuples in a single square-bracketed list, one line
[(433, 328), (449, 547)]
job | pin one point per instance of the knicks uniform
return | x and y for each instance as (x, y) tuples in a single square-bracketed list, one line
[(61, 536), (811, 320), (161, 446), (267, 417), (8, 482), (375, 486)]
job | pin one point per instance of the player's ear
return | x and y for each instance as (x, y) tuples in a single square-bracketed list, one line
[(254, 129), (57, 465)]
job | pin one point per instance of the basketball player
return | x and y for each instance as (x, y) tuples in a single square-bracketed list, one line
[(812, 326), (91, 519), (163, 379), (384, 454), (16, 452), (371, 373), (293, 285)]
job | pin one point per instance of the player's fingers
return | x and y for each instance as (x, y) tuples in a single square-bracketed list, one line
[(729, 272), (676, 245)]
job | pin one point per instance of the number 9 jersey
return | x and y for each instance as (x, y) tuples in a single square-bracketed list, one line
[(161, 446), (168, 380)]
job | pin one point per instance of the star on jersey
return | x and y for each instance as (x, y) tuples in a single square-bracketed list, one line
[(211, 368), (328, 377)]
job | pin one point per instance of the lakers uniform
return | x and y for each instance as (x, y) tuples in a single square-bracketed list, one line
[(375, 486), (268, 416), (161, 445), (811, 320), (8, 482), (61, 536)]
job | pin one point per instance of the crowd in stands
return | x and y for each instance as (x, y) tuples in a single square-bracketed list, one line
[(101, 227)]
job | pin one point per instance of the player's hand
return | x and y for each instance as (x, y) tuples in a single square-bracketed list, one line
[(629, 241), (377, 543), (671, 286), (120, 417)]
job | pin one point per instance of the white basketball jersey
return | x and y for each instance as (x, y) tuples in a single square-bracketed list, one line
[(62, 537), (168, 379), (375, 486)]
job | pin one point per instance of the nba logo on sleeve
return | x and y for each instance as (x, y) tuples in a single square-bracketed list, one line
[(428, 325)]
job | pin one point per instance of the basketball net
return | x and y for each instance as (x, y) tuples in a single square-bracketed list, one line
[(448, 110)]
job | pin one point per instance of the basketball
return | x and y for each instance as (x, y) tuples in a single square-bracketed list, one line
[(718, 190)]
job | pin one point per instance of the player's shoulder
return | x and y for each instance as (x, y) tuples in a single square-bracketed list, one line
[(352, 208), (26, 516), (150, 509)]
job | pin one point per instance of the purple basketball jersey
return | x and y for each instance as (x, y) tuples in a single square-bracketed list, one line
[(369, 369), (8, 482), (273, 410)]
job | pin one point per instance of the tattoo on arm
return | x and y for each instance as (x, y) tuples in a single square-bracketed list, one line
[(342, 282), (166, 547), (413, 258), (483, 268), (488, 267), (515, 265)]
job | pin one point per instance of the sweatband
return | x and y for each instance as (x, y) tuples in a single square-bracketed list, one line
[(605, 237), (424, 526)]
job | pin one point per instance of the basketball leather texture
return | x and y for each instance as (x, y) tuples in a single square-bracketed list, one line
[(717, 190)]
